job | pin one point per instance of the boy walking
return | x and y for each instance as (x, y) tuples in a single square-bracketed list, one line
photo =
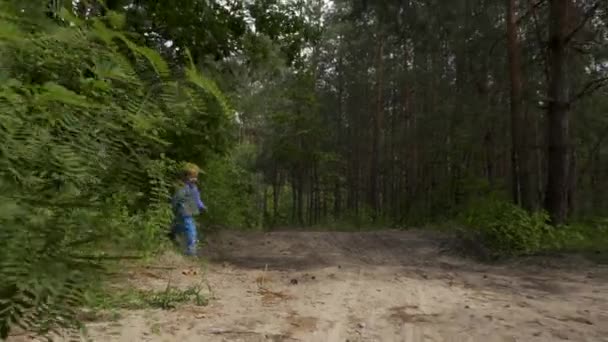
[(187, 204)]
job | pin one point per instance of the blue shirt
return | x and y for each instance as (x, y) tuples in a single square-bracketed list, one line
[(186, 201)]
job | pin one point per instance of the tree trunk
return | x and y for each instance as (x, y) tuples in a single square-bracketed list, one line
[(572, 182), (520, 161), (311, 196), (300, 205), (265, 214), (337, 198), (556, 198), (294, 196), (339, 141), (276, 188), (374, 191)]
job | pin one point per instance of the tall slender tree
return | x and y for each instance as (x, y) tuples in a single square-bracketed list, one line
[(558, 123), (520, 161)]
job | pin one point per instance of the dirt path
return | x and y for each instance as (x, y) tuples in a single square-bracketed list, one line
[(381, 286)]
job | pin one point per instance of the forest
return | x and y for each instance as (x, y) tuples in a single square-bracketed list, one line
[(483, 119)]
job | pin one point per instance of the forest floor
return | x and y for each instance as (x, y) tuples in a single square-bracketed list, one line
[(366, 286)]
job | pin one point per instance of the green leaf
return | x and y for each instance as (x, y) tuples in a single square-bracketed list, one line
[(207, 85), (53, 92), (116, 20), (10, 32)]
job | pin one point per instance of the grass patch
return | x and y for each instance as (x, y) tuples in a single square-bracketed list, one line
[(137, 299), (589, 239)]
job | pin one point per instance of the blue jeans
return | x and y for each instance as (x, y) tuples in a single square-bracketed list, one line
[(185, 226)]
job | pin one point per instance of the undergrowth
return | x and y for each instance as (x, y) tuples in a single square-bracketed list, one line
[(137, 299), (88, 125), (494, 229)]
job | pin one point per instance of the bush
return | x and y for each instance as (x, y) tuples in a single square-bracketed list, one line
[(504, 229), (229, 192), (496, 228)]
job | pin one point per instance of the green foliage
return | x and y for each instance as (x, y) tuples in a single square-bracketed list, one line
[(230, 192), (209, 28), (505, 229), (87, 122), (284, 23), (589, 237), (136, 299), (495, 228), (363, 219)]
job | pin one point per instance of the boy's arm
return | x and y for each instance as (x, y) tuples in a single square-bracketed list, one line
[(179, 200), (197, 196)]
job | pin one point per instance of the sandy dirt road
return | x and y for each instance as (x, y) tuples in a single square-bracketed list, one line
[(376, 286)]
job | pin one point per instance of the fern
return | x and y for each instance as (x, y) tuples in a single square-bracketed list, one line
[(88, 120)]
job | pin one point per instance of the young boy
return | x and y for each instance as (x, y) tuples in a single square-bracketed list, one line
[(187, 204)]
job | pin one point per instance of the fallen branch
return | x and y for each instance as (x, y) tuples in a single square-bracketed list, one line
[(232, 331)]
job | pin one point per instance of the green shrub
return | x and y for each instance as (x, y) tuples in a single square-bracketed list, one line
[(504, 229), (496, 228), (228, 190)]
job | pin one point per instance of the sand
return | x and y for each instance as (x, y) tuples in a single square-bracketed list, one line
[(367, 286)]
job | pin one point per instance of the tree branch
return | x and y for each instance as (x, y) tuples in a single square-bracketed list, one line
[(530, 11), (588, 15), (539, 38), (590, 88), (595, 149)]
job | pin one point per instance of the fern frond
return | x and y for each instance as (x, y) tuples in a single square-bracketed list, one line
[(84, 128)]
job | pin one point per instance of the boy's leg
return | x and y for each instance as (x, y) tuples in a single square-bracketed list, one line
[(190, 230)]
